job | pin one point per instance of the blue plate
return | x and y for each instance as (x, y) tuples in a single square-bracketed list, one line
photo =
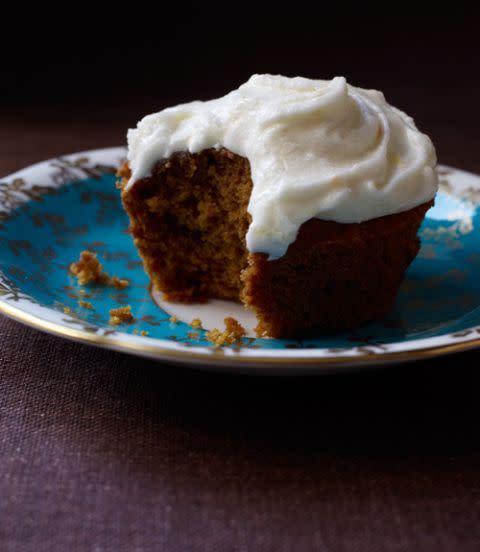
[(52, 211)]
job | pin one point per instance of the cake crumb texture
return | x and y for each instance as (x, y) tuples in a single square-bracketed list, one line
[(232, 334), (121, 315), (88, 270), (196, 323), (261, 331), (119, 283), (189, 222)]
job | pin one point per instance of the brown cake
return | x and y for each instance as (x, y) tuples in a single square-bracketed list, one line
[(189, 220), (300, 198)]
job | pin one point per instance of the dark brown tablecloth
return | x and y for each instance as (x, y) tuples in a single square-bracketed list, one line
[(105, 452)]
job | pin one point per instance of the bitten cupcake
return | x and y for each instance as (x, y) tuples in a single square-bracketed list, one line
[(301, 198)]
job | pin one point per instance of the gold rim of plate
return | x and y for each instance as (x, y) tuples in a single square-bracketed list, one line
[(216, 356)]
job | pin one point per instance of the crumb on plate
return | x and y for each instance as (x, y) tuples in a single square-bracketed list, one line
[(173, 319), (121, 315), (85, 304), (232, 334), (261, 331), (89, 270), (196, 323), (119, 283)]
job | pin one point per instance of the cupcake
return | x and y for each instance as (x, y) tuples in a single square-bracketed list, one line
[(301, 198)]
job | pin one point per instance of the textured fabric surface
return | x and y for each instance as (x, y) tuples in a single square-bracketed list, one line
[(101, 451), (104, 452)]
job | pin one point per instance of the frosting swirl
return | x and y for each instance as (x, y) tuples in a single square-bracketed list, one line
[(317, 149)]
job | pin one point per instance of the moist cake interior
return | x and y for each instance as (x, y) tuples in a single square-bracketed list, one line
[(192, 213)]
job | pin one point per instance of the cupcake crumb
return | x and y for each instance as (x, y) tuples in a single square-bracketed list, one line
[(89, 270), (173, 319), (261, 331), (232, 334), (119, 283), (121, 315), (196, 323), (85, 304)]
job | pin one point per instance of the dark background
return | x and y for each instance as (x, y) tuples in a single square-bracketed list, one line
[(102, 451), (115, 69), (179, 56)]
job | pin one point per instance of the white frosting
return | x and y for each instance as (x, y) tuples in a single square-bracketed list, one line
[(317, 149)]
